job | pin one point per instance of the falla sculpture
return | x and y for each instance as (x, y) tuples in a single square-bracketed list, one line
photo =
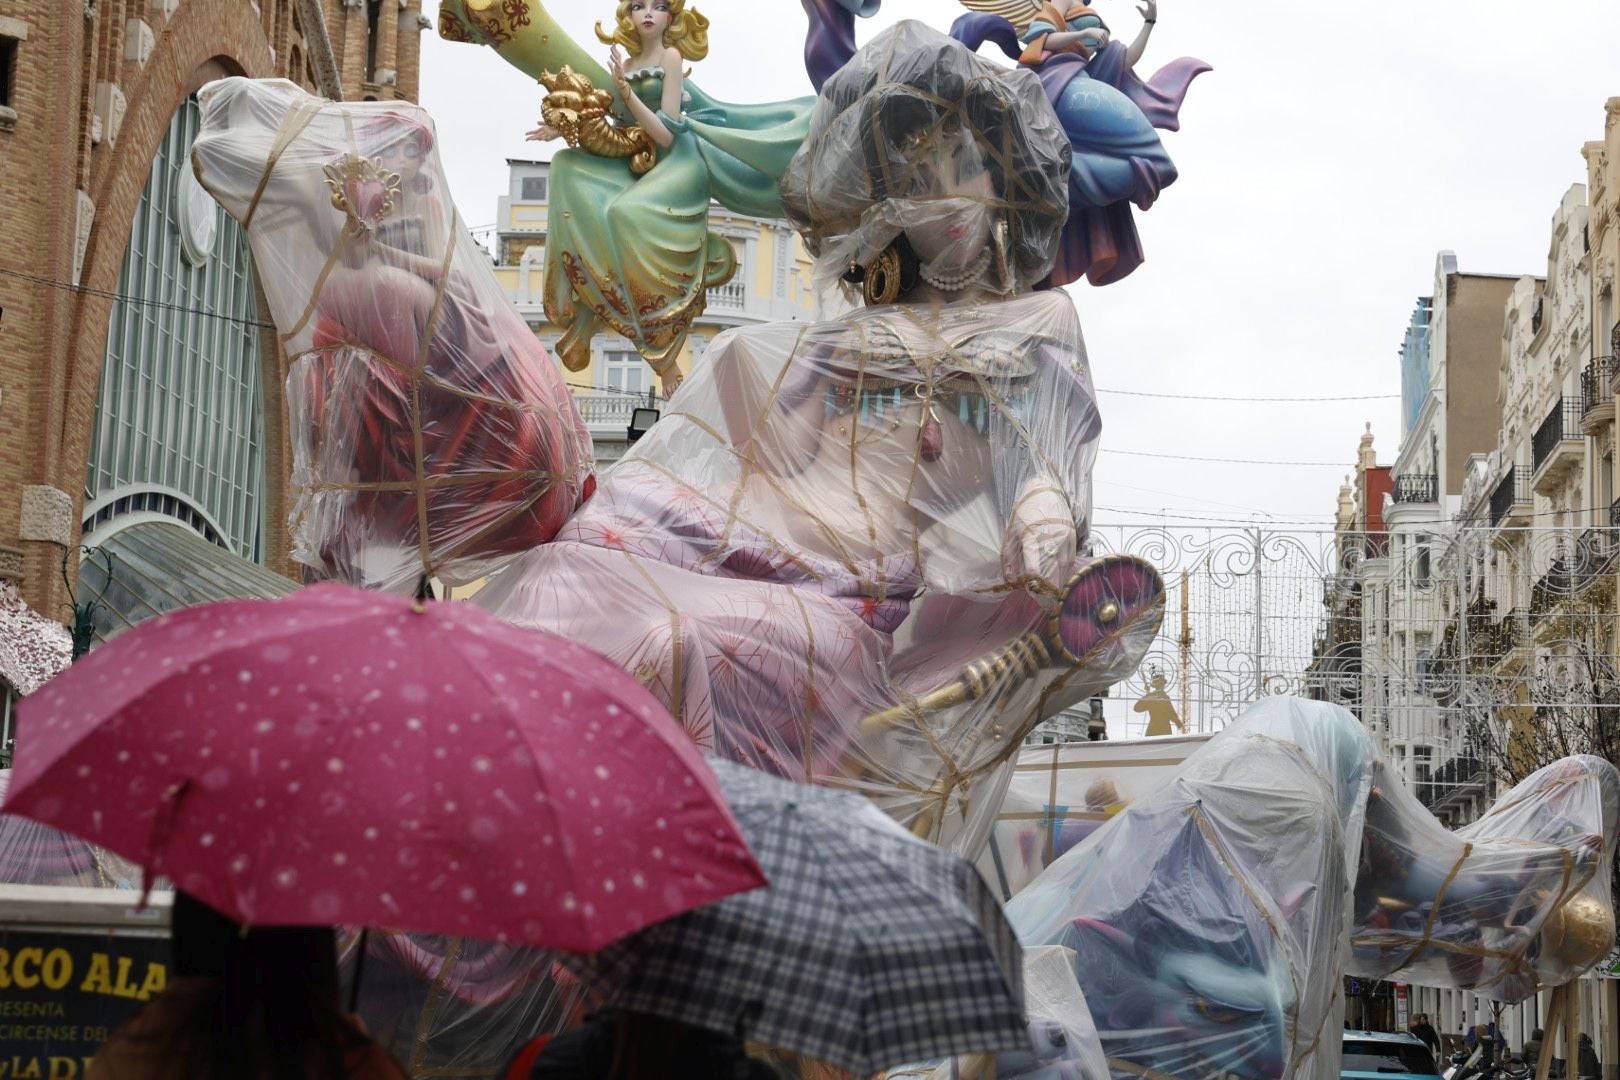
[(857, 551)]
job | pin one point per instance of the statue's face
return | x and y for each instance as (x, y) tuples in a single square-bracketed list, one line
[(649, 17), (952, 167)]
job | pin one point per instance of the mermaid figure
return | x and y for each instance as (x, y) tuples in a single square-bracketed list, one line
[(629, 248), (1108, 112)]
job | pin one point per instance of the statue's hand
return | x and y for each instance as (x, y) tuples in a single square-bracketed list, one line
[(1039, 547), (616, 70), (543, 133), (1149, 10)]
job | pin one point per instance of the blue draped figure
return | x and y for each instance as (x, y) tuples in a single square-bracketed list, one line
[(1111, 115)]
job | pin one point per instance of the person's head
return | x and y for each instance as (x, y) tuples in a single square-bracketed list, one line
[(199, 936), (648, 1045), (276, 1010), (670, 22), (1537, 1034), (927, 164)]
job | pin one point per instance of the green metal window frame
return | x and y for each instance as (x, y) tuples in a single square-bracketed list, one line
[(179, 426)]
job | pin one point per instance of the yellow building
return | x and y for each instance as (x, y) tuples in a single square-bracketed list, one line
[(772, 284)]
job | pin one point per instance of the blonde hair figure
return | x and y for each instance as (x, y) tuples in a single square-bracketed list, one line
[(629, 249), (688, 31)]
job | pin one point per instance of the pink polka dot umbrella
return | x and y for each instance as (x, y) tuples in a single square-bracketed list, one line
[(341, 756)]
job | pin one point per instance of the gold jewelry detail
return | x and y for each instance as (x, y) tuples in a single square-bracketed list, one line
[(351, 170), (882, 284), (1108, 612), (580, 112), (1578, 931)]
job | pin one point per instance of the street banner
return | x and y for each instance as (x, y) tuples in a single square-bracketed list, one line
[(75, 963), (62, 994)]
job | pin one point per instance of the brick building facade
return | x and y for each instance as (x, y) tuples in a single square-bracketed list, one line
[(90, 92)]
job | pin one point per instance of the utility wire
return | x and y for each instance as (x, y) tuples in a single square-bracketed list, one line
[(86, 290), (1219, 397), (1227, 460), (1454, 524), (185, 310)]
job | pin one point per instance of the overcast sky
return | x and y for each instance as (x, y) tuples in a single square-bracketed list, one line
[(1333, 151)]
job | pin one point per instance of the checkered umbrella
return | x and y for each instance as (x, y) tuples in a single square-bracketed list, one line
[(869, 948)]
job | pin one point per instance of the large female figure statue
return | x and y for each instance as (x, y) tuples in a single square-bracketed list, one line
[(1111, 116), (628, 247), (851, 550)]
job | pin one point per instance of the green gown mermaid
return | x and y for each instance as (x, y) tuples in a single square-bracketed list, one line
[(635, 254)]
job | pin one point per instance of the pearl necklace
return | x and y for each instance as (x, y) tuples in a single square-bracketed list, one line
[(957, 281)]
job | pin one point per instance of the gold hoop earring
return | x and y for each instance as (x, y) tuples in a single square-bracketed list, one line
[(882, 284)]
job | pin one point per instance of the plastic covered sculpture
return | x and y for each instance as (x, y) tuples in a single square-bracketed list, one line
[(449, 1006), (1062, 793), (849, 551), (628, 247), (1109, 113), (35, 854), (1516, 900), (1062, 1040), (1213, 917), (431, 433)]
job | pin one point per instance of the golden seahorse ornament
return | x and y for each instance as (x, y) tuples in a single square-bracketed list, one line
[(581, 113)]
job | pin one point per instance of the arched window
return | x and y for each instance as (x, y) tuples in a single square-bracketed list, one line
[(179, 426), (373, 19)]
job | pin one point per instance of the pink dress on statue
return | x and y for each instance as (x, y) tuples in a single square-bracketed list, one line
[(817, 532)]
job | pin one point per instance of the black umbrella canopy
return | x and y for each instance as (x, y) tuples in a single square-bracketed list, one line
[(870, 948)]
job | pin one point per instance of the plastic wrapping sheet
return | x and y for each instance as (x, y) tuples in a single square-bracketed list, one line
[(850, 552), (916, 135), (1210, 918), (1063, 1042), (1213, 918), (35, 854), (430, 430), (457, 1007), (1516, 900), (1060, 794)]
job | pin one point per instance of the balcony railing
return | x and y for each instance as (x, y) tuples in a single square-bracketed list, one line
[(1563, 422), (1457, 775), (1423, 488), (1594, 556), (608, 410), (1597, 383), (1552, 587), (1513, 490), (732, 296), (1614, 514)]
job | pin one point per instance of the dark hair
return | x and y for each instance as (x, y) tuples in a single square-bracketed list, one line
[(274, 1009), (647, 1047), (909, 82)]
